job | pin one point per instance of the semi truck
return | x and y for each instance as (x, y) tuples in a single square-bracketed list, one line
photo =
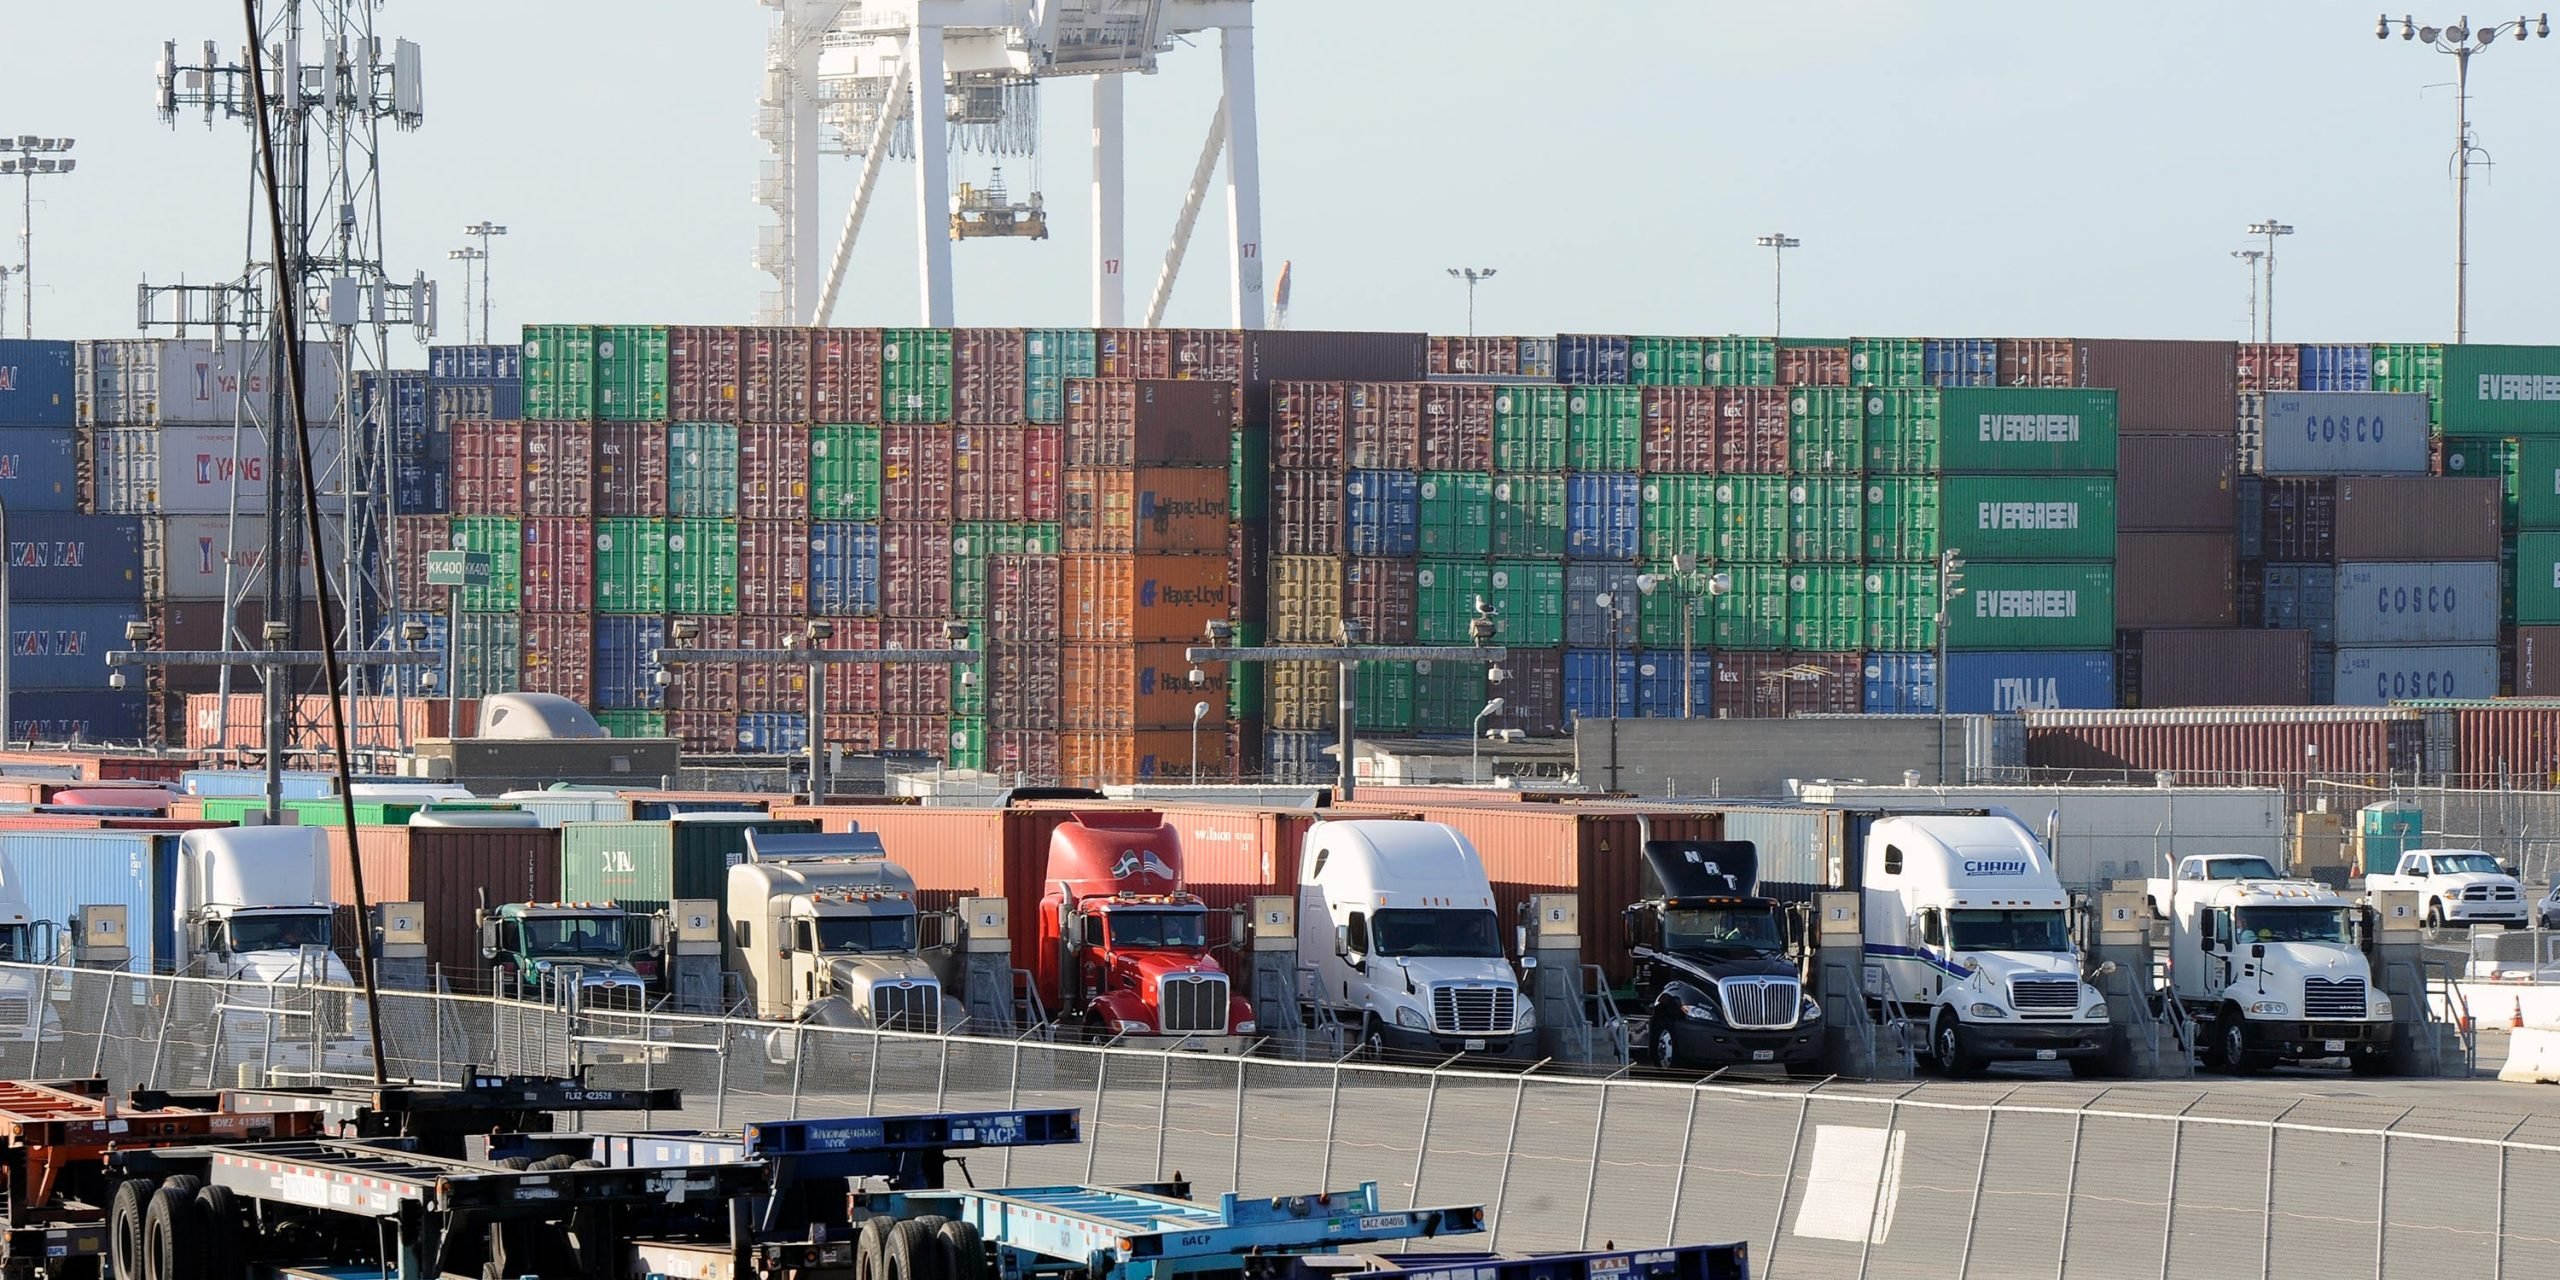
[(25, 1012), (1124, 947), (1397, 921), (824, 929), (2270, 968), (2456, 887), (252, 906), (1968, 935), (610, 956), (1711, 966)]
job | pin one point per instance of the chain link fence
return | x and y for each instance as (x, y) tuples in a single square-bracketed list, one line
[(2004, 1178)]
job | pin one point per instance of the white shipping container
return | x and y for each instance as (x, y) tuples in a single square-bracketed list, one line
[(141, 382), (195, 470), (2106, 833), (2447, 602), (2375, 677), (2343, 433), (188, 554)]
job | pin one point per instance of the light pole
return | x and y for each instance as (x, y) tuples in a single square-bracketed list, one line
[(1950, 585), (467, 255), (2271, 229), (1475, 741), (2251, 257), (28, 157), (1473, 276), (1777, 243), (2462, 41), (1609, 605), (483, 229), (1686, 580), (1199, 712)]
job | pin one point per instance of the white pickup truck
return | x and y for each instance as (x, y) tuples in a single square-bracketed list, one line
[(2456, 887)]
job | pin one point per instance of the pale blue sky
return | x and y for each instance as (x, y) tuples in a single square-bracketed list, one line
[(1996, 168)]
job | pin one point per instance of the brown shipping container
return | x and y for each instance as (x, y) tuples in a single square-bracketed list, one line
[(2037, 362), (1148, 424), (775, 378), (1120, 687), (1022, 597), (1148, 755), (2175, 482), (853, 688), (2165, 386), (2418, 518), (488, 463), (2536, 677), (1385, 428), (1146, 509), (371, 724), (1533, 693), (1306, 513), (769, 686), (2177, 580), (1029, 755), (1475, 357), (1025, 686), (1457, 428), (986, 377), (704, 732), (844, 375), (448, 869), (2268, 366), (2225, 668), (707, 686), (1840, 690), (1112, 599), (557, 565), (1758, 686), (1381, 593), (915, 688), (916, 477), (773, 472), (773, 568), (2234, 746), (1309, 421), (703, 368), (1292, 355), (2512, 744), (631, 468), (1248, 569), (1129, 354), (1813, 366), (559, 655), (1215, 354)]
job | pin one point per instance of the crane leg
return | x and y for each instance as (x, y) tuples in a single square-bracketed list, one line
[(1190, 217)]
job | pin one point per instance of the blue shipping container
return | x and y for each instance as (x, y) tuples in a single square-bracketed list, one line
[(844, 569), (1383, 510), (1591, 359), (1586, 621), (773, 733), (1961, 362), (1297, 756), (59, 872), (1587, 681), (1603, 513), (1658, 683), (2252, 494), (1901, 684), (2302, 597), (482, 362), (79, 715), (421, 487), (64, 646), (397, 400), (39, 469), (74, 557), (296, 784), (626, 675), (35, 383), (2337, 368), (449, 402), (2001, 683)]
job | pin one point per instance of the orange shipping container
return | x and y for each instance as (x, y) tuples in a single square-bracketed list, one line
[(1145, 686), (1150, 755), (1146, 510), (373, 722), (1113, 599)]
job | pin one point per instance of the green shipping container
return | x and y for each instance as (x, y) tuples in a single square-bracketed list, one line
[(2034, 606), (1667, 362), (1384, 694), (1448, 591), (1902, 517), (2501, 390), (2409, 368), (1742, 362), (633, 724), (1826, 430), (489, 656), (1679, 517), (2535, 484), (631, 565), (1752, 516), (1604, 429), (1528, 603), (1448, 695), (702, 566), (1658, 618), (1530, 425), (915, 375), (645, 865), (844, 472), (1528, 515), (1888, 362), (631, 373), (1457, 513), (1754, 614), (1826, 519), (1902, 607), (1245, 699), (2029, 517), (501, 538), (1903, 430), (1249, 473), (1826, 607), (2027, 429), (968, 741), (2499, 456), (972, 543), (702, 470), (330, 812), (2538, 578), (1049, 358), (560, 371)]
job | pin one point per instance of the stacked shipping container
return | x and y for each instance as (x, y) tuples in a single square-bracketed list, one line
[(74, 579)]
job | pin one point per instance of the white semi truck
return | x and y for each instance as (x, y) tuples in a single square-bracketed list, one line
[(25, 1012), (1969, 931), (2456, 887), (823, 929), (1397, 921), (2269, 967), (253, 907)]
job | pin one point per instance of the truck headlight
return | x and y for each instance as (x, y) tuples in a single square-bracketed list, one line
[(1245, 1028), (2379, 1005), (2095, 1013), (1811, 1012), (2270, 1008), (1408, 1016), (1134, 1028), (1528, 1019), (1700, 1010), (1984, 1009)]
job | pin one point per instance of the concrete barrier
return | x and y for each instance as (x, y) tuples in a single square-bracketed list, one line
[(2533, 1056)]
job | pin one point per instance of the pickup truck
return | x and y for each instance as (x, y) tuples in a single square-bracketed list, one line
[(2457, 887)]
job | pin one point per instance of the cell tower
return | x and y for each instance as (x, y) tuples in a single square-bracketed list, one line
[(331, 87), (844, 79)]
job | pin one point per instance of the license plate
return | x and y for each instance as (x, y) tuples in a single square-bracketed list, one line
[(2334, 1046), (2047, 1055), (1475, 1044), (1764, 1055)]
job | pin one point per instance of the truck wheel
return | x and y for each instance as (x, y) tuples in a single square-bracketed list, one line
[(871, 1249), (1666, 1051), (2236, 1058), (164, 1255), (218, 1230), (964, 1252), (914, 1253), (125, 1215), (1948, 1046), (2435, 915)]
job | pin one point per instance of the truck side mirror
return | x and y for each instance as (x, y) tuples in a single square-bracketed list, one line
[(1342, 941), (2515, 873), (1634, 929), (2258, 951), (488, 938)]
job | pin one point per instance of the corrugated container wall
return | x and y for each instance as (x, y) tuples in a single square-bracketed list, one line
[(452, 870), (2176, 580), (2223, 668), (2338, 433), (2165, 386), (2176, 482), (2241, 745)]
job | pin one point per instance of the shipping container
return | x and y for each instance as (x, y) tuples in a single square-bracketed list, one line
[(557, 469), (1827, 430), (1138, 687), (72, 558), (702, 566), (1899, 684), (915, 375), (476, 362), (79, 715), (1599, 684), (2381, 518), (1763, 686), (2228, 745), (844, 373), (488, 467), (1472, 356), (501, 538), (844, 472), (1382, 596), (774, 376), (1680, 430), (1141, 598), (2174, 580), (1804, 362), (626, 666), (1152, 424), (1456, 513), (559, 656), (37, 388), (1529, 515), (773, 568), (1532, 693), (1604, 429), (2379, 676), (558, 568), (915, 571), (630, 566), (630, 374), (988, 377), (173, 382), (631, 469), (1737, 361), (1602, 603), (1592, 359), (2173, 386), (1826, 607), (1902, 518), (1662, 688), (193, 470), (2345, 367), (2038, 362), (1603, 515), (1306, 599), (1448, 590), (488, 654), (1151, 510), (1023, 599), (917, 473), (1384, 427), (1901, 606), (2030, 429), (2537, 662), (773, 472), (2006, 683), (1160, 755), (2222, 668), (2268, 366), (1306, 513), (1025, 685), (2176, 482), (2034, 606), (1050, 358), (1905, 430), (1753, 518), (1010, 473), (2416, 604), (1678, 516), (2336, 433), (1527, 596), (2029, 517), (705, 367), (1382, 513), (1826, 519), (58, 873), (1961, 362), (844, 569), (702, 477), (1888, 362), (453, 872), (1754, 614), (1667, 362), (1753, 430), (1457, 428), (644, 865), (2537, 578), (1531, 428), (38, 469), (975, 545)]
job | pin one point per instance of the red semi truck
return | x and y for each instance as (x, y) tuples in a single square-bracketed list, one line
[(1124, 950)]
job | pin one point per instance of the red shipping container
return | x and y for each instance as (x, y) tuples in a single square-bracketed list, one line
[(1475, 357), (770, 686), (915, 571), (2171, 386), (774, 378), (559, 469), (707, 687), (1309, 421), (2176, 482), (923, 735), (1008, 474), (1022, 598), (773, 568), (1680, 430), (1751, 430), (1824, 684), (2508, 745), (1813, 366), (773, 472), (853, 688), (916, 688), (2232, 746), (1306, 513), (1248, 570), (978, 483), (2268, 366), (2220, 668), (1155, 423), (559, 655), (1213, 354), (1130, 354), (859, 734), (1043, 469), (704, 364), (2037, 362), (412, 537), (1381, 594), (631, 468), (488, 466), (1030, 755), (1384, 432), (986, 378), (1457, 428), (558, 572), (704, 732), (2535, 678), (1025, 684), (452, 871), (844, 375), (1109, 598), (916, 473)]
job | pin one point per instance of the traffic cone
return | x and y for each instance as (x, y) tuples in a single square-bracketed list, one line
[(2515, 1020)]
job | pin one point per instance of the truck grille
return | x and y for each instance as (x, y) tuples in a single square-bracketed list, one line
[(916, 1007), (1195, 1004), (2044, 995), (1473, 1011), (614, 999), (2322, 998), (1760, 1004), (14, 1011), (2489, 893)]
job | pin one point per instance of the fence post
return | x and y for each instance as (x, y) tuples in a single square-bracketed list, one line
[(1884, 1169), (2382, 1204), (720, 1081), (2498, 1269), (2267, 1224), (799, 1054), (106, 1014), (1680, 1176), (2169, 1202), (1422, 1141), (1778, 1220), (1973, 1214), (1591, 1185), (1012, 1099), (1235, 1175), (1332, 1113), (1164, 1108), (942, 1075), (1093, 1127), (2070, 1189), (1510, 1147), (871, 1091)]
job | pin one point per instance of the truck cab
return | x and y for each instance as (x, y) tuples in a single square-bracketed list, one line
[(613, 953), (1124, 948), (2457, 887), (253, 905), (2270, 967), (1397, 919), (25, 1012), (1711, 966), (823, 929), (1968, 930)]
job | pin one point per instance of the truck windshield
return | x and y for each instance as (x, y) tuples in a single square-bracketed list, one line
[(1692, 928), (1159, 928), (2453, 863), (573, 936), (866, 933), (280, 932), (2240, 869), (2292, 924), (2008, 931), (1409, 932), (14, 945)]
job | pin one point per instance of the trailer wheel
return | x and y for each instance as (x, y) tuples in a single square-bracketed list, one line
[(913, 1253), (871, 1250), (964, 1251), (517, 1163), (125, 1215), (553, 1163), (218, 1228), (165, 1256)]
